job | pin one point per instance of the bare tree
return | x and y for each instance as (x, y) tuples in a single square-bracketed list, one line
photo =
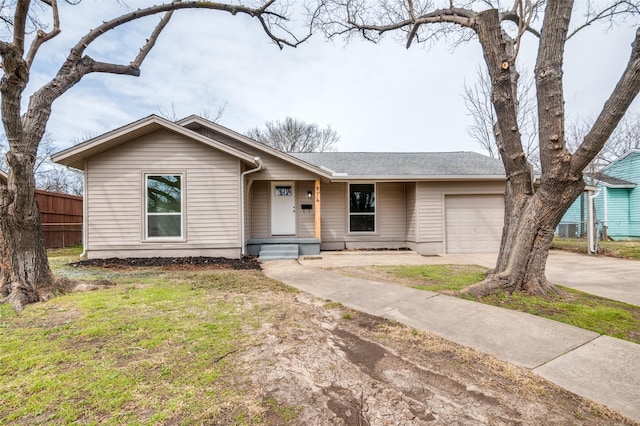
[(205, 112), (477, 100), (624, 138), (49, 176), (25, 276), (532, 212), (292, 135), (63, 180)]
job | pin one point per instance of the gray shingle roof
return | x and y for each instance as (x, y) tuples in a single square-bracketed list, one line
[(409, 164), (610, 180)]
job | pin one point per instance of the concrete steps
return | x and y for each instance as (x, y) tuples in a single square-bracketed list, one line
[(278, 251)]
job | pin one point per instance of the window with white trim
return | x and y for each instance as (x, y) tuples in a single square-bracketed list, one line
[(362, 207), (163, 206)]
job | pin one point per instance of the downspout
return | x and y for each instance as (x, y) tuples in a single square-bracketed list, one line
[(242, 175), (605, 224), (85, 211), (591, 231)]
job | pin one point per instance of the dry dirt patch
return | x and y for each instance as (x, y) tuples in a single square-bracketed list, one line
[(322, 364)]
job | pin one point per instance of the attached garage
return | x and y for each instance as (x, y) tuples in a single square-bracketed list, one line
[(473, 223)]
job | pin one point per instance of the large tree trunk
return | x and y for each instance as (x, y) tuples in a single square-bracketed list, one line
[(531, 215), (25, 276), (530, 223)]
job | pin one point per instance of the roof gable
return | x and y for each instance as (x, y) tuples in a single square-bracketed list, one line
[(75, 155), (195, 122), (626, 167)]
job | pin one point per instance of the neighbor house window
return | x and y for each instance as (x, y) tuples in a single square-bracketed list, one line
[(164, 206), (362, 207)]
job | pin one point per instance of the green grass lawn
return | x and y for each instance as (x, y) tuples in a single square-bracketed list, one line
[(622, 249), (573, 307), (152, 349)]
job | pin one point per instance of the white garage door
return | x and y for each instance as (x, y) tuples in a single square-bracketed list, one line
[(473, 223)]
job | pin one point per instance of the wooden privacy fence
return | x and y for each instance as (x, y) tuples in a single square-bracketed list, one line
[(61, 217)]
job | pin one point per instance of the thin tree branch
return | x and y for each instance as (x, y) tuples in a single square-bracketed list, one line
[(43, 36), (151, 41), (515, 18), (620, 7)]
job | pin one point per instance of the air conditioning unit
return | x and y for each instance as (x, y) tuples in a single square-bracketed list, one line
[(568, 230)]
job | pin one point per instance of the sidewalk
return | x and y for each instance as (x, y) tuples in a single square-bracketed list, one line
[(597, 367)]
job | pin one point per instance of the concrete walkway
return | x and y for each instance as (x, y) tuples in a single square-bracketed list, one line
[(616, 279), (600, 368)]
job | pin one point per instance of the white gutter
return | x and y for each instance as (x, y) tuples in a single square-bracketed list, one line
[(591, 231), (242, 175)]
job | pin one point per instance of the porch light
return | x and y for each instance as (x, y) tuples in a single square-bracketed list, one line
[(309, 194)]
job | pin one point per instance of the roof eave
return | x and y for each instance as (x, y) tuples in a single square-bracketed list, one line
[(410, 178), (618, 186)]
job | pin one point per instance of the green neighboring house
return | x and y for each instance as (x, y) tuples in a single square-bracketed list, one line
[(616, 201)]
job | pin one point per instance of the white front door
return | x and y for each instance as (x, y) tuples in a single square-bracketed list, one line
[(283, 208)]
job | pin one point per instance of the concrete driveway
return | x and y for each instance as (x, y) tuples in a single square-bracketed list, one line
[(617, 279)]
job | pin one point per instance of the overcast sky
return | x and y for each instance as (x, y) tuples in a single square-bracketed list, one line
[(377, 97)]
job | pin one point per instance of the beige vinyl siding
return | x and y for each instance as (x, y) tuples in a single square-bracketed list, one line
[(412, 212), (391, 212), (115, 191), (260, 210), (431, 209), (306, 218), (248, 212), (333, 199)]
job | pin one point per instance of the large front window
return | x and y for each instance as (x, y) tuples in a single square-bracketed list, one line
[(164, 206), (362, 208)]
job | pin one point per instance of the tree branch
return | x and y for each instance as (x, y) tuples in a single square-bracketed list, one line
[(78, 64), (42, 36), (614, 109), (498, 50), (515, 18), (549, 89), (620, 7), (105, 67), (462, 17), (151, 41), (78, 50), (20, 24)]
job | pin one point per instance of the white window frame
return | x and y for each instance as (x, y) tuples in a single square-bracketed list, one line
[(145, 188), (374, 213)]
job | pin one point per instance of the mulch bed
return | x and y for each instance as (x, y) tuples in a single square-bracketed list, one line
[(220, 262)]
